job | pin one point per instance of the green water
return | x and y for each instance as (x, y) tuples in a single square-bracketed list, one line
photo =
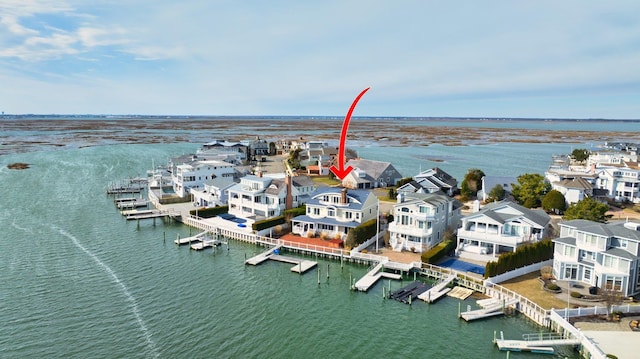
[(78, 281)]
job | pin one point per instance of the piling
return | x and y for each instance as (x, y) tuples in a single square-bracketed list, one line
[(327, 271), (318, 275)]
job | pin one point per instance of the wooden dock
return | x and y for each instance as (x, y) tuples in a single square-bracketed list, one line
[(460, 293)]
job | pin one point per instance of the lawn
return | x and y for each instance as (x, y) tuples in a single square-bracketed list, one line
[(325, 181), (529, 286)]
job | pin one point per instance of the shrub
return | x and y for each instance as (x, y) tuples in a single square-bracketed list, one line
[(267, 223), (436, 253), (210, 212), (552, 286), (523, 256), (575, 294)]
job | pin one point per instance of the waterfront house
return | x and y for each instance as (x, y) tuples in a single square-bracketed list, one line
[(194, 173), (421, 219), (622, 183), (368, 174), (501, 227), (573, 190), (239, 149), (258, 197), (214, 192), (332, 212), (598, 254), (434, 180)]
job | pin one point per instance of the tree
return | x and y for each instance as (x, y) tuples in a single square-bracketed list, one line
[(580, 154), (497, 193), (554, 201), (472, 183), (403, 181), (611, 297), (530, 189), (588, 209)]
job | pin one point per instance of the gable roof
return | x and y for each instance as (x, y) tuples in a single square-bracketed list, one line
[(438, 177), (575, 183), (505, 211), (358, 195), (603, 229), (372, 168)]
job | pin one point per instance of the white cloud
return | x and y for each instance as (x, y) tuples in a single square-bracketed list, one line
[(279, 57)]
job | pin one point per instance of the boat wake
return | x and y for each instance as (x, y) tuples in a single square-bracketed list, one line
[(120, 284)]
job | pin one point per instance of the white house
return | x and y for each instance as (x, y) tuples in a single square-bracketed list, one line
[(573, 190), (257, 197), (501, 227), (622, 183), (598, 254), (193, 174), (214, 192), (331, 212), (421, 219)]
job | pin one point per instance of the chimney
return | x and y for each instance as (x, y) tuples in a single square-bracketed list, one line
[(288, 202), (343, 198)]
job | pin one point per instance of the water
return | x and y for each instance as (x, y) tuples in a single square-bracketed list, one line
[(78, 281)]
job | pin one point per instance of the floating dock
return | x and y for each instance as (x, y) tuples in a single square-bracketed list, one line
[(372, 277), (146, 214), (438, 290), (491, 307), (301, 265), (410, 292), (535, 343), (131, 204)]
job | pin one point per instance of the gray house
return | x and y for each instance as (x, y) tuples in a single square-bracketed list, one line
[(370, 174)]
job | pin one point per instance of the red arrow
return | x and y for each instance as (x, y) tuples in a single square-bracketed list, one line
[(340, 171)]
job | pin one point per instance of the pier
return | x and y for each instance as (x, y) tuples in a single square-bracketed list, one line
[(373, 275), (147, 214), (301, 265)]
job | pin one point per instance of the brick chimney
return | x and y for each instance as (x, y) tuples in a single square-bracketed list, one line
[(343, 197), (288, 202)]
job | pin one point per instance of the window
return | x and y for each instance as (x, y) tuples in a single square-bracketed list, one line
[(404, 220), (587, 274), (348, 215), (316, 211), (571, 271), (331, 212), (613, 283)]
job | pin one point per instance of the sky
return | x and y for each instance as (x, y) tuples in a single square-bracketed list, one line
[(533, 59)]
